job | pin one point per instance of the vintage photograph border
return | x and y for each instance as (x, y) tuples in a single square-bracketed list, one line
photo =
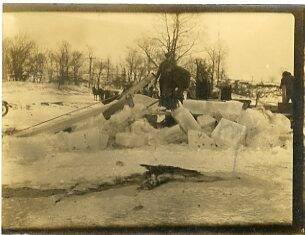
[(298, 106)]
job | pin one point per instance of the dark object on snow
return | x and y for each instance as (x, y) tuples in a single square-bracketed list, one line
[(69, 130), (119, 163), (98, 92), (202, 89), (226, 92), (58, 103), (286, 85), (160, 174), (5, 107), (137, 208), (161, 169), (9, 131)]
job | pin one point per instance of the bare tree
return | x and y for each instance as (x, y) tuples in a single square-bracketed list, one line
[(99, 66), (76, 64), (220, 63), (37, 64), (51, 65), (216, 54), (63, 57), (5, 59), (90, 72), (132, 62), (19, 53), (151, 50), (213, 61), (176, 36), (108, 68)]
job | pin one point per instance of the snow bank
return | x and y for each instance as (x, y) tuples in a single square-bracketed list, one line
[(265, 129), (130, 140)]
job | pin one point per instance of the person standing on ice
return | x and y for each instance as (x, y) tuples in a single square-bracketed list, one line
[(165, 79), (173, 81), (164, 75), (287, 86)]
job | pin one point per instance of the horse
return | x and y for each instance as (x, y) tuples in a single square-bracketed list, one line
[(97, 92)]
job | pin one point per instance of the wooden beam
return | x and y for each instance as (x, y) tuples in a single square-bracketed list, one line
[(72, 118)]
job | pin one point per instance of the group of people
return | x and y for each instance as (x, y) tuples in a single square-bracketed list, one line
[(174, 80)]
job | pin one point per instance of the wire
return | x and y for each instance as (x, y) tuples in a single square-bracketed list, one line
[(73, 111)]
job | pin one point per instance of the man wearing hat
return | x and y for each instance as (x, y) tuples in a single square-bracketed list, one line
[(166, 80), (287, 86), (173, 80)]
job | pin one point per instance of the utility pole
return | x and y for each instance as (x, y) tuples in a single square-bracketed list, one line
[(90, 68), (108, 70), (100, 73)]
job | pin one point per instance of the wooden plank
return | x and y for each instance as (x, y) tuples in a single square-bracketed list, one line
[(72, 118), (64, 122)]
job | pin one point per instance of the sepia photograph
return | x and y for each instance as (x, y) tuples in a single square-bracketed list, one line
[(145, 119)]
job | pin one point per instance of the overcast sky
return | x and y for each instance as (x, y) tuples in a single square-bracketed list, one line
[(257, 44)]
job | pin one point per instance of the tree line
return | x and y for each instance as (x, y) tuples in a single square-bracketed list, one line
[(23, 60)]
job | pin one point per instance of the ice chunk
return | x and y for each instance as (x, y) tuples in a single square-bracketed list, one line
[(172, 134), (142, 126), (130, 140), (254, 120), (230, 109), (228, 133), (260, 124), (282, 122), (196, 107), (122, 116), (198, 139), (144, 100), (185, 119), (90, 138), (95, 139), (266, 139), (121, 121), (96, 121), (207, 123)]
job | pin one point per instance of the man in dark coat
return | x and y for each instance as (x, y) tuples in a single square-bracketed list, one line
[(287, 86), (165, 80), (173, 80)]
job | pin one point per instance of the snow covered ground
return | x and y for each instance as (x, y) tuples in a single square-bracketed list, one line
[(260, 190)]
